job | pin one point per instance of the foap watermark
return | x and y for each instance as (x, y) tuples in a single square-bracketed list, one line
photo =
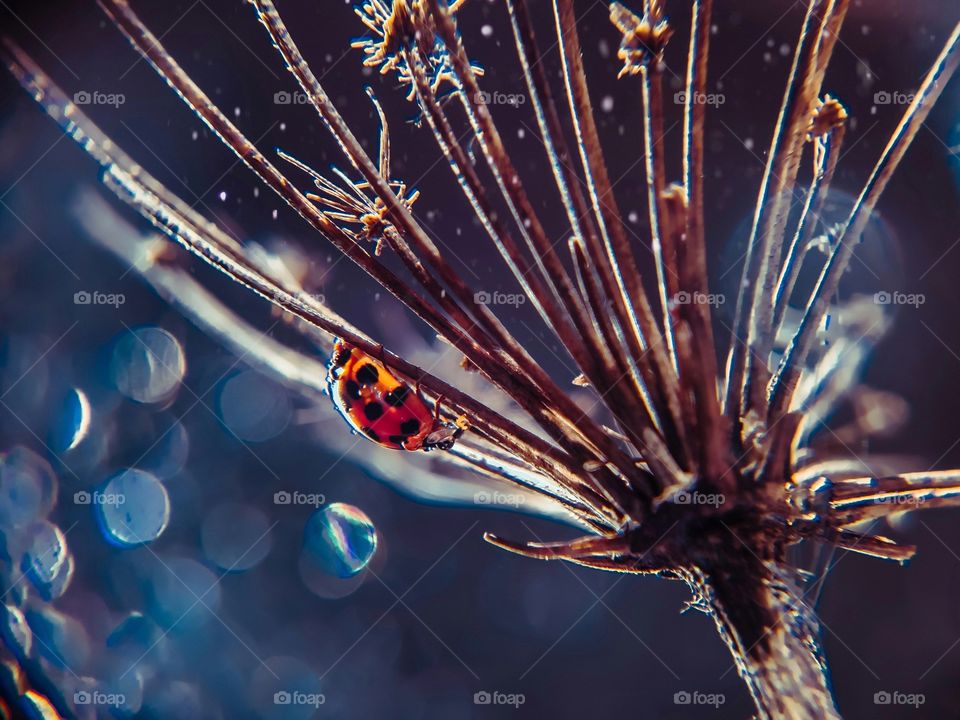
[(295, 697), (95, 697), (899, 298), (82, 497), (85, 97), (695, 697), (684, 497), (303, 296), (501, 98), (285, 497), (699, 98), (906, 500), (485, 697), (499, 298), (85, 297), (316, 297), (699, 298), (283, 97), (886, 697), (885, 97), (485, 497)]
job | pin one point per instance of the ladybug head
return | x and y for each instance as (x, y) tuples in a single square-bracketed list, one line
[(445, 434)]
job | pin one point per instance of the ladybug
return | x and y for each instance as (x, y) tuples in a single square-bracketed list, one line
[(373, 401)]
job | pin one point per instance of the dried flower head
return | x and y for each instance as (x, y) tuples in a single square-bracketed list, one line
[(644, 38), (355, 202), (827, 117), (396, 28)]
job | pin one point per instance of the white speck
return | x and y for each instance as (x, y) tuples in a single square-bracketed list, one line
[(521, 133), (223, 196), (283, 126), (633, 217), (236, 112), (194, 135), (784, 49), (604, 49), (527, 223), (770, 42), (748, 143), (865, 29), (274, 214), (767, 58), (487, 31), (607, 103), (873, 110), (256, 192)]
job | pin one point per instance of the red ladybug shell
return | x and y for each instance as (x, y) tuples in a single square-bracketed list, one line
[(375, 402)]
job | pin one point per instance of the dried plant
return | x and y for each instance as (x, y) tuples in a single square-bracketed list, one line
[(689, 473)]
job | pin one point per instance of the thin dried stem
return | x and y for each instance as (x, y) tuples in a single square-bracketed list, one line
[(664, 248), (825, 158), (619, 252), (629, 336), (775, 189), (569, 309), (692, 253), (865, 498), (814, 63), (785, 381)]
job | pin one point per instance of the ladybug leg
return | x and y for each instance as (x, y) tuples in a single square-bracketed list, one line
[(419, 393)]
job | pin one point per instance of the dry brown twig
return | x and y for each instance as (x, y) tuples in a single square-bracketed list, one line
[(682, 485)]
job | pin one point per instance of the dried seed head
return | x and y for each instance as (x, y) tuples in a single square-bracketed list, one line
[(644, 39), (392, 27), (399, 26), (826, 117)]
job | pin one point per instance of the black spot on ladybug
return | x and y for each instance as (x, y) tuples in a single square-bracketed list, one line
[(398, 439), (373, 410), (372, 434), (340, 359), (353, 390), (410, 427), (367, 375), (396, 397)]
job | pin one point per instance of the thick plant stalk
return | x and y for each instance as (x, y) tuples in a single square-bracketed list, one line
[(773, 635)]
